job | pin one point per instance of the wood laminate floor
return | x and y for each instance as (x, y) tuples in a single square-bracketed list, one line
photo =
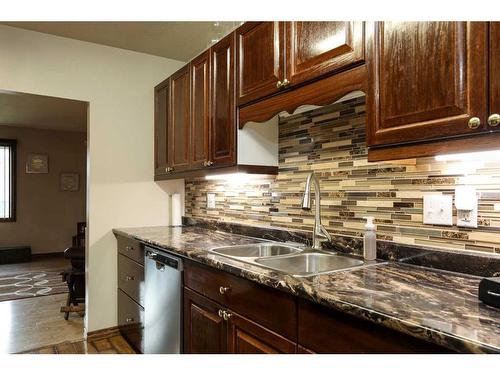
[(36, 322), (45, 263), (111, 345)]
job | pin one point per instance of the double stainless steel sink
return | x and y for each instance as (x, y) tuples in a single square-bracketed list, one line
[(294, 260)]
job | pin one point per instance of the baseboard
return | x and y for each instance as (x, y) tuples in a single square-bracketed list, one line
[(59, 254), (103, 333)]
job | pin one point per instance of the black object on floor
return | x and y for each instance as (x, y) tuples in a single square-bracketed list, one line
[(15, 254), (489, 291)]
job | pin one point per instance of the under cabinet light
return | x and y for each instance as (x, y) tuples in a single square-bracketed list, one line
[(483, 156), (230, 177)]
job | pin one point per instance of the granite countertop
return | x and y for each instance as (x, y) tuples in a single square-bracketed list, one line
[(437, 306)]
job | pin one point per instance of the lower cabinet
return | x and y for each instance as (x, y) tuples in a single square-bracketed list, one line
[(211, 328), (227, 314)]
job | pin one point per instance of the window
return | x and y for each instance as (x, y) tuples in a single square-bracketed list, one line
[(7, 180)]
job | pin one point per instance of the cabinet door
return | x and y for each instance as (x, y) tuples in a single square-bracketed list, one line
[(248, 337), (179, 124), (200, 113), (426, 80), (162, 102), (204, 330), (223, 111), (494, 70), (314, 49), (260, 59)]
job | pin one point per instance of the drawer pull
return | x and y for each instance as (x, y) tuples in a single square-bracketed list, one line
[(224, 314), (224, 289), (129, 320), (129, 248), (129, 278)]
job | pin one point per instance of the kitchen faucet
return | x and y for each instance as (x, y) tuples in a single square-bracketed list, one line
[(319, 234)]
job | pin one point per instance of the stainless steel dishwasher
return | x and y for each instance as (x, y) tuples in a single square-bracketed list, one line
[(163, 303)]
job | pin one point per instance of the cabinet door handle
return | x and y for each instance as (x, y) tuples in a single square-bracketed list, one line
[(221, 313), (285, 83), (494, 119), (279, 84), (224, 289), (129, 278), (227, 315), (129, 320), (129, 248), (474, 122), (210, 163)]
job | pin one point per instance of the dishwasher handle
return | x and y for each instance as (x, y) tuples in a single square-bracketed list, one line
[(163, 259)]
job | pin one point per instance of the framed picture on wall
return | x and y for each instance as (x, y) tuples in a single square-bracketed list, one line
[(37, 163), (70, 182)]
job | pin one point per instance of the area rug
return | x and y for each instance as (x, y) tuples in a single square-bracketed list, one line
[(31, 284)]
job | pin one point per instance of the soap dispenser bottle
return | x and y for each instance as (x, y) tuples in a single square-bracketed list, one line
[(369, 240)]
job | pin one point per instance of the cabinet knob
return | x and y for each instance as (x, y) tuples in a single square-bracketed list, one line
[(224, 289), (474, 122), (169, 169), (285, 83), (129, 278), (221, 313), (129, 248), (210, 163), (494, 119), (129, 320), (279, 84)]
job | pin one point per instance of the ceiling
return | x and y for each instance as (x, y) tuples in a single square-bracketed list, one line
[(42, 112), (175, 40)]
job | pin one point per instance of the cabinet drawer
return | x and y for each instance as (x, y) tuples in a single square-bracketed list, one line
[(131, 321), (271, 308), (131, 248), (131, 278)]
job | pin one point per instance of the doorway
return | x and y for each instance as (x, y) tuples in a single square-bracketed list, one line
[(43, 183)]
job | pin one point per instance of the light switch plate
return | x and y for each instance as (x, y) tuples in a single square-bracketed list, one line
[(438, 209), (210, 200)]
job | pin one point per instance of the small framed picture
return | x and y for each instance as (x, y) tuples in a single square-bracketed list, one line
[(70, 182), (37, 163)]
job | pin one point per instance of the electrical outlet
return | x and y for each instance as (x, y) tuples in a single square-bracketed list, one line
[(438, 209), (210, 200)]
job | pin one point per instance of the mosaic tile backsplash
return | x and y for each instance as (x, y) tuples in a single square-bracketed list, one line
[(331, 142)]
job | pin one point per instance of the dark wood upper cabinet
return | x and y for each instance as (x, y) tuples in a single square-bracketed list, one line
[(200, 110), (247, 337), (204, 330), (426, 81), (162, 104), (494, 70), (260, 59), (223, 110), (179, 124), (314, 49)]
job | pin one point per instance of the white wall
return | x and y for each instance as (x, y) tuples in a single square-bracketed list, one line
[(118, 84)]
